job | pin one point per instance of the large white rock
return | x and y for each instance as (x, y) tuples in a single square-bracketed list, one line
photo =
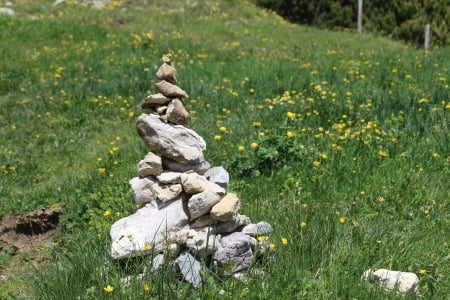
[(407, 282), (147, 230), (172, 141)]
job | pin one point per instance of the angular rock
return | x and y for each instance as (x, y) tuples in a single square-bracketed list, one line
[(230, 226), (176, 113), (167, 72), (226, 209), (218, 175), (151, 100), (194, 183), (172, 141), (168, 177), (170, 90), (261, 228), (167, 192), (203, 221), (234, 249), (406, 282), (147, 229), (150, 165), (190, 268), (202, 242), (142, 189), (199, 165), (201, 203)]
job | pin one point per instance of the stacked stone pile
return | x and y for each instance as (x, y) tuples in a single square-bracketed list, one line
[(185, 209)]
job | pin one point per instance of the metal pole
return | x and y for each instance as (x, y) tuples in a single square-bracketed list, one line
[(360, 12), (427, 36)]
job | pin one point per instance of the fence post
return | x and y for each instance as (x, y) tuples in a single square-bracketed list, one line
[(427, 36), (360, 12)]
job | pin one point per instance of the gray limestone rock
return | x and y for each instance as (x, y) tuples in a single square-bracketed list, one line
[(190, 267), (194, 183), (172, 141), (142, 189), (150, 165), (155, 99), (199, 165), (170, 90), (218, 175), (176, 113), (201, 203), (234, 249), (167, 72)]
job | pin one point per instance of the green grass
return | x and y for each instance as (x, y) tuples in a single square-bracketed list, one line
[(347, 127)]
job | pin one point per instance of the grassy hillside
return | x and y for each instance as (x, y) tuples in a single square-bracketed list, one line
[(340, 141)]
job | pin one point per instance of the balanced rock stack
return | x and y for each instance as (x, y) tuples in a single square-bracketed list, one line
[(184, 208)]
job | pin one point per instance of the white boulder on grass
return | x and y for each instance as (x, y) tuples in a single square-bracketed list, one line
[(147, 230), (406, 282)]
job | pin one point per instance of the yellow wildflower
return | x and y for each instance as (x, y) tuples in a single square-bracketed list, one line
[(284, 241), (107, 213), (342, 220), (108, 288), (303, 225), (254, 145), (241, 148), (146, 287)]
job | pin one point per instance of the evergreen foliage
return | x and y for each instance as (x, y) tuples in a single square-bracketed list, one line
[(404, 20)]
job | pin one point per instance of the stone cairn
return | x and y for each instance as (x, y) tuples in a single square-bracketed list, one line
[(184, 209)]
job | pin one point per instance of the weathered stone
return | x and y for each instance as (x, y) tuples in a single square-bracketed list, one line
[(203, 221), (202, 242), (8, 11), (142, 189), (151, 100), (147, 229), (194, 183), (190, 268), (161, 110), (235, 249), (406, 282), (172, 141), (150, 165), (170, 90), (167, 72), (218, 175), (201, 203), (199, 165), (168, 177), (176, 113), (261, 228), (226, 209), (167, 192), (230, 226)]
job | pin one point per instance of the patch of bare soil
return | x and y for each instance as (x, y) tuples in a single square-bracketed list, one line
[(21, 233)]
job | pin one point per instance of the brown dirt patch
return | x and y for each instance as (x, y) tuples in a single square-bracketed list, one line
[(21, 233)]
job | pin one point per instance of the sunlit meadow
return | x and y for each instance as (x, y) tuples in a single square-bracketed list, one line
[(340, 141)]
